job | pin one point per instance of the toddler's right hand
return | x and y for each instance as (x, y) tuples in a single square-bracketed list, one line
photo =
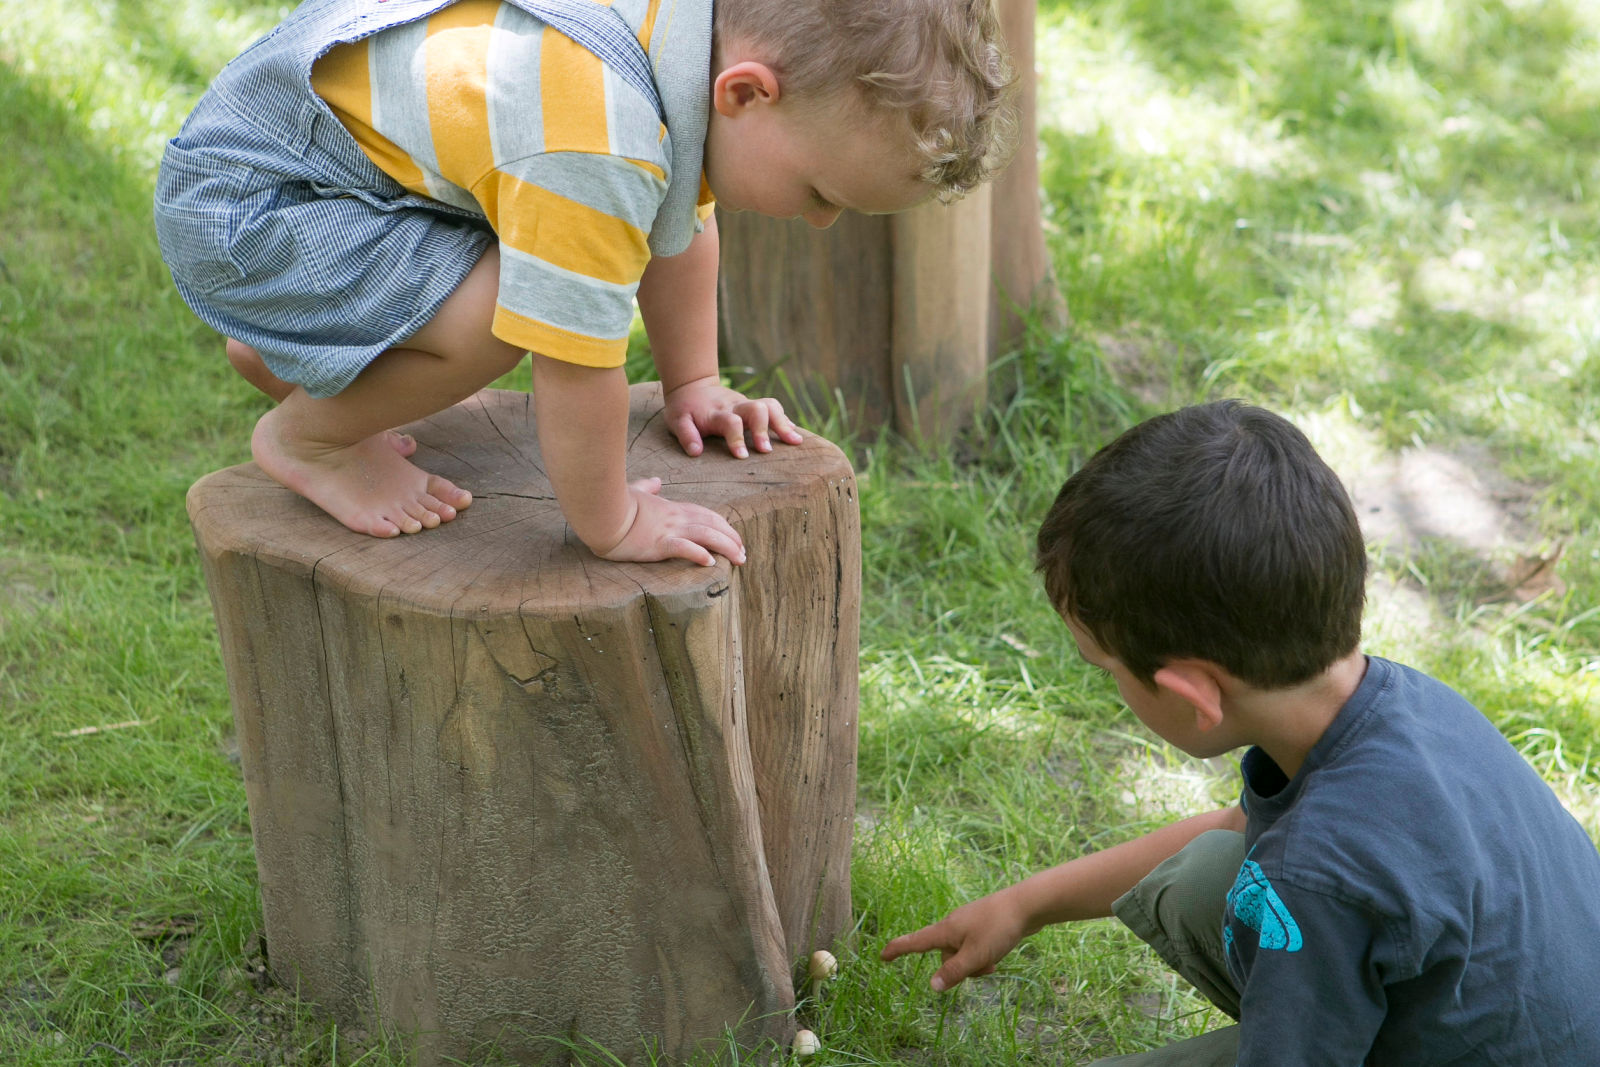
[(672, 529)]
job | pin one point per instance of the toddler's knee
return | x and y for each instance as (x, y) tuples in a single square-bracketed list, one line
[(243, 358)]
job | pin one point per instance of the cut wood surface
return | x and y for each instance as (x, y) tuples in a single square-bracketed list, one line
[(503, 791)]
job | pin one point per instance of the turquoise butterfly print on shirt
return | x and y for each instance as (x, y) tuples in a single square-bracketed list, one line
[(1259, 907)]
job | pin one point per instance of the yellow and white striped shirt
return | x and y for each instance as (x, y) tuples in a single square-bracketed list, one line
[(484, 107)]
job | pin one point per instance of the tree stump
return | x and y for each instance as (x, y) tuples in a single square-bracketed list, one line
[(898, 317), (506, 794)]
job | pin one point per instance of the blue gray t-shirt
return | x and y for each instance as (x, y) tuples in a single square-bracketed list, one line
[(1416, 895)]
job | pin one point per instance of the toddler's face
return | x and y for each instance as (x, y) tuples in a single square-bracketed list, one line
[(791, 162)]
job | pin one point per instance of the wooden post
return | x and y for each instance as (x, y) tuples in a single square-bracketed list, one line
[(504, 792), (1021, 278), (897, 318)]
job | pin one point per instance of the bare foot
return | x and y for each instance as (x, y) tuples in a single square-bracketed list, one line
[(369, 486), (402, 443), (253, 369)]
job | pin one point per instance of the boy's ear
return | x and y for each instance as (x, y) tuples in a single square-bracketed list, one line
[(742, 85), (1199, 684)]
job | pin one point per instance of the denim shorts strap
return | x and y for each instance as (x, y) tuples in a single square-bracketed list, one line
[(602, 31)]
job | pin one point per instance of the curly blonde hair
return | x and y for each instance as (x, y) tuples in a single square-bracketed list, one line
[(940, 63)]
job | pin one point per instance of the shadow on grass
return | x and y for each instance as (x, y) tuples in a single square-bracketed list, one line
[(1364, 108), (113, 397), (1311, 59)]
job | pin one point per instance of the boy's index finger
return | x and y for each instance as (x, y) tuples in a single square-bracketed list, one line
[(923, 940)]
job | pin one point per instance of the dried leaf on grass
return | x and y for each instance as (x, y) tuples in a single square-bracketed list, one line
[(85, 731)]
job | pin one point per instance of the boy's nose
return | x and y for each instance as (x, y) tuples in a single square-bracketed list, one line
[(822, 217)]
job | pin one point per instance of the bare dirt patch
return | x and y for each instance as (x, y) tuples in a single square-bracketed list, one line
[(1458, 498), (1140, 362), (24, 587)]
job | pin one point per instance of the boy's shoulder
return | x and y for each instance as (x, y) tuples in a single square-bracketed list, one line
[(1420, 824), (1401, 720), (1413, 798), (1408, 769)]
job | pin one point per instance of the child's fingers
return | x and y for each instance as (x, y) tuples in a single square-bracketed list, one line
[(708, 531), (687, 433), (684, 548), (971, 959), (705, 544), (962, 957), (697, 544), (953, 973), (716, 533), (727, 424), (924, 940), (672, 529), (756, 419), (781, 424)]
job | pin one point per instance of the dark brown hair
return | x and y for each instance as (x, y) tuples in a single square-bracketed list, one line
[(1214, 532)]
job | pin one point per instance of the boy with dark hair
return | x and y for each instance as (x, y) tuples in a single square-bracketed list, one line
[(1397, 886)]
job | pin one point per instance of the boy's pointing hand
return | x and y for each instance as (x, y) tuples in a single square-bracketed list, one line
[(706, 408), (971, 940)]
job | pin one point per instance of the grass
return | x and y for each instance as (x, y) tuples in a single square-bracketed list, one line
[(1375, 217)]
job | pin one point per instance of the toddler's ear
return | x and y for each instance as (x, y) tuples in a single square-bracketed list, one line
[(743, 85), (1199, 684)]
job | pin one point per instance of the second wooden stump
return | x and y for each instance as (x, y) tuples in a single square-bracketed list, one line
[(502, 791)]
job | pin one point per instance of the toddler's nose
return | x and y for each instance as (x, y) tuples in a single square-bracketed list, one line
[(822, 217)]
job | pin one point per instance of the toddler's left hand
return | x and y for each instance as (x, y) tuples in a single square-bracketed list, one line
[(706, 408)]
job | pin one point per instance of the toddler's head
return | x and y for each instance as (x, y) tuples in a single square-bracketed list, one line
[(934, 70), (1214, 532)]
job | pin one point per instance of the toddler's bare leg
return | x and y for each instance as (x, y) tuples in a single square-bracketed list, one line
[(333, 451), (253, 369), (248, 362)]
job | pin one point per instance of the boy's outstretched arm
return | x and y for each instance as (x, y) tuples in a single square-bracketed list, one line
[(678, 302), (582, 414), (974, 938)]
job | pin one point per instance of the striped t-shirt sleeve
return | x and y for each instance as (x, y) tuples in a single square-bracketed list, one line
[(484, 107)]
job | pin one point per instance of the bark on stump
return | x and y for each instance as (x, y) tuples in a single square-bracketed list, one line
[(502, 791), (898, 316)]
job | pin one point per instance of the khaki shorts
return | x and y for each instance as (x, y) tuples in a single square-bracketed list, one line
[(1178, 910)]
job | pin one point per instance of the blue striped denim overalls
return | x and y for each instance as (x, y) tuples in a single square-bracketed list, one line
[(282, 233)]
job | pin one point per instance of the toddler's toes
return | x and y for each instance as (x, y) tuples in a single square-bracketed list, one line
[(407, 522), (416, 509), (439, 509), (403, 443), (447, 492), (377, 526)]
